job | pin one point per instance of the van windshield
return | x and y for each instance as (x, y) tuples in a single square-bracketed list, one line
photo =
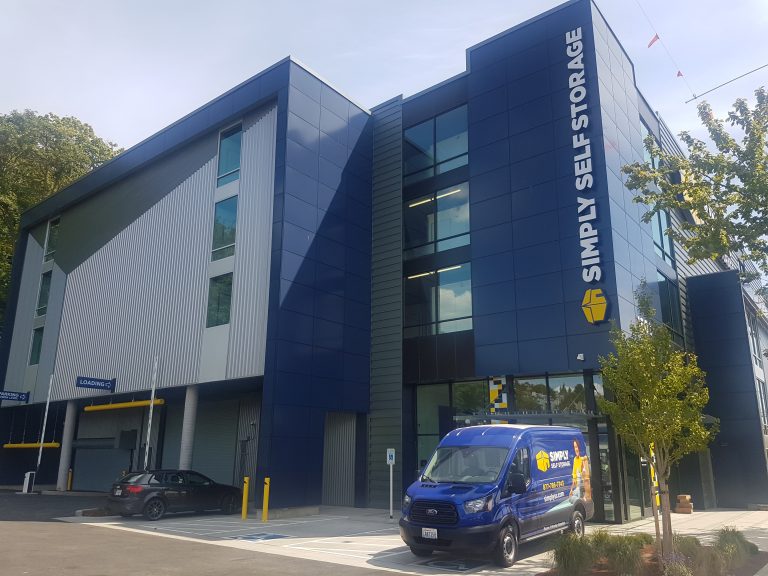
[(465, 464)]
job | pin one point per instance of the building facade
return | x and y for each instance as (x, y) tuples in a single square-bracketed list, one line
[(305, 283)]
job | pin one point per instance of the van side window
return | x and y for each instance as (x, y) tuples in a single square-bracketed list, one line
[(521, 464)]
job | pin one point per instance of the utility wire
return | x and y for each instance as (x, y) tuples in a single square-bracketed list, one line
[(724, 83), (664, 45)]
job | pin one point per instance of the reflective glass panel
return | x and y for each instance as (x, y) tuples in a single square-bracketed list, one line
[(219, 300), (224, 225), (419, 147), (52, 240), (419, 306), (451, 134), (42, 296), (37, 344), (455, 286), (566, 393), (229, 155), (453, 211), (531, 395), (419, 221), (471, 397)]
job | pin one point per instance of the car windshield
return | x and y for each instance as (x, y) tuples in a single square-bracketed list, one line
[(466, 464)]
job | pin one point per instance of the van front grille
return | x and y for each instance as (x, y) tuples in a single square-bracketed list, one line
[(433, 512)]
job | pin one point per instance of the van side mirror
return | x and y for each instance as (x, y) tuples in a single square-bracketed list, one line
[(516, 483)]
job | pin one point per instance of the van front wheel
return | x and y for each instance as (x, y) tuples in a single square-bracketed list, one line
[(506, 550), (577, 524)]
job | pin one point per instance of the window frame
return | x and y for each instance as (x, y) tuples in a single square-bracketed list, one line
[(53, 224), (209, 319), (41, 309), (221, 252), (434, 327), (225, 133), (433, 246), (675, 307), (35, 351), (665, 250), (433, 169)]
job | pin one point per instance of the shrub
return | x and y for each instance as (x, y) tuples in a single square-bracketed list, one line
[(572, 555), (688, 546), (709, 562), (599, 541), (641, 539), (623, 555), (734, 547), (677, 569)]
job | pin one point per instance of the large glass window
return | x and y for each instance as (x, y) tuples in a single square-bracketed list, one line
[(661, 242), (229, 156), (437, 222), (566, 393), (429, 400), (37, 344), (531, 395), (224, 225), (438, 301), (435, 146), (42, 295), (219, 300), (647, 155), (470, 397), (754, 336), (669, 296), (51, 239)]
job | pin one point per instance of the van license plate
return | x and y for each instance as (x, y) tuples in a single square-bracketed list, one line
[(430, 533)]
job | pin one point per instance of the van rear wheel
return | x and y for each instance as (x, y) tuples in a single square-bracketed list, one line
[(422, 552), (577, 523), (505, 553)]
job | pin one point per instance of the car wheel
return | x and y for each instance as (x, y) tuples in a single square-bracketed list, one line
[(228, 504), (422, 552), (577, 524), (154, 509), (506, 550)]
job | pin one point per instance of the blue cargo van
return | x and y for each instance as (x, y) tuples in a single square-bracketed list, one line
[(488, 488)]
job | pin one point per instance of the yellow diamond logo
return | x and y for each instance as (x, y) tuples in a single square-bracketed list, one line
[(594, 305), (542, 461)]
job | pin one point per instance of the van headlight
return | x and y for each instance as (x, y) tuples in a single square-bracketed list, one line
[(479, 505), (407, 501)]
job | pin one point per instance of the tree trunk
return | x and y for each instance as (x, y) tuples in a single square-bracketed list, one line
[(666, 517), (655, 516)]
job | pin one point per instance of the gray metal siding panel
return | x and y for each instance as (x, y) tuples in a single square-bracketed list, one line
[(385, 421), (143, 294), (25, 312), (250, 291), (50, 334), (339, 459)]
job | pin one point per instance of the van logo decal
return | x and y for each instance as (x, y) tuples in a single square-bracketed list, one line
[(542, 461), (431, 512)]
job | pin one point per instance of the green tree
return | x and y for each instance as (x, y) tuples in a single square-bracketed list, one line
[(723, 185), (39, 155), (655, 396)]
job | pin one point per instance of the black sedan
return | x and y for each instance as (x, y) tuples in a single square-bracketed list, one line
[(155, 492)]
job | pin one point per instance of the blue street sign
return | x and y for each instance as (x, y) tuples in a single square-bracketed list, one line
[(97, 383), (17, 396)]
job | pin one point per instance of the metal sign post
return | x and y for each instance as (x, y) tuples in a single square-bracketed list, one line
[(391, 464), (42, 432), (151, 410)]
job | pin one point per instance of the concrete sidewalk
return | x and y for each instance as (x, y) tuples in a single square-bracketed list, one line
[(368, 538)]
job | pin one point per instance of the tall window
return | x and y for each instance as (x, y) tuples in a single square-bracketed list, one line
[(229, 156), (37, 344), (51, 239), (645, 131), (438, 301), (224, 223), (754, 337), (436, 146), (661, 242), (219, 300), (42, 295), (437, 222), (669, 296)]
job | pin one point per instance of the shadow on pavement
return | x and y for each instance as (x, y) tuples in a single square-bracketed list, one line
[(45, 507)]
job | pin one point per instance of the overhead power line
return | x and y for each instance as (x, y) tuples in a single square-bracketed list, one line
[(725, 83)]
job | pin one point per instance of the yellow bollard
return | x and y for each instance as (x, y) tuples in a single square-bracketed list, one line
[(69, 480), (244, 513), (265, 503)]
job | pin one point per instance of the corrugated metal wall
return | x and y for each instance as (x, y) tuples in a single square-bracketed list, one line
[(339, 459), (145, 292), (215, 444), (385, 420), (250, 292), (248, 430)]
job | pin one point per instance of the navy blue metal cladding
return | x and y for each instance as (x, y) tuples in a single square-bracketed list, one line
[(527, 264), (722, 346), (318, 342)]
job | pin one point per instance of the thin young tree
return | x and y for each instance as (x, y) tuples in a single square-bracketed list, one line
[(655, 395)]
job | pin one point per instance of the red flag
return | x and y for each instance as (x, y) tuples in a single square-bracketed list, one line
[(679, 74), (655, 37)]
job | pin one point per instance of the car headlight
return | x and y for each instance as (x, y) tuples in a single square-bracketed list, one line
[(407, 501), (479, 505)]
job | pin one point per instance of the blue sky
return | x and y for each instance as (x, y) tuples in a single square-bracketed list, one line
[(131, 68)]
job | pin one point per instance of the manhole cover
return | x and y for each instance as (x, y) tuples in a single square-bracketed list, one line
[(258, 537), (455, 565)]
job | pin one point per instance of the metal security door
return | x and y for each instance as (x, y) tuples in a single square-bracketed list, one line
[(339, 459)]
